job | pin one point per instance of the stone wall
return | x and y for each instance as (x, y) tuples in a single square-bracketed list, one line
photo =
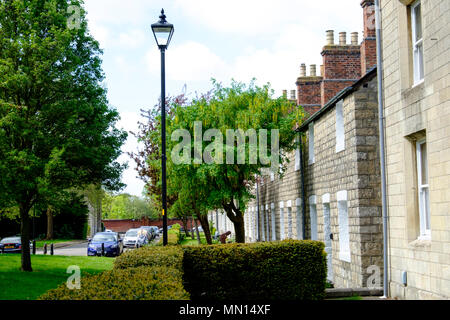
[(413, 111), (354, 170)]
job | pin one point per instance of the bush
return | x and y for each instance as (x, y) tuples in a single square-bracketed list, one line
[(151, 256), (173, 236), (142, 283), (289, 270)]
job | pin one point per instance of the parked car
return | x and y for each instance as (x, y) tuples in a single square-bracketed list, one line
[(131, 239), (112, 243), (12, 244), (155, 230), (150, 232)]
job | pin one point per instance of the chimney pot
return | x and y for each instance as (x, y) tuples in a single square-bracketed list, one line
[(312, 70), (293, 95), (355, 38), (302, 70), (342, 38), (330, 37)]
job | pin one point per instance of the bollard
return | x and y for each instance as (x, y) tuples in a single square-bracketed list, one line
[(103, 249), (34, 246), (51, 249), (45, 248)]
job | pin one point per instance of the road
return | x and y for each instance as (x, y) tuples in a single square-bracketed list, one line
[(77, 249)]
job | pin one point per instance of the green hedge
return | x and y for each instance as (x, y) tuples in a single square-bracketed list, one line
[(142, 283), (171, 256), (289, 270)]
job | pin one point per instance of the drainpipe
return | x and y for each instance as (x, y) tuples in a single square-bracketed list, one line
[(302, 180), (382, 146)]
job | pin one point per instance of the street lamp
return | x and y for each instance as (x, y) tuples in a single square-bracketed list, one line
[(163, 31)]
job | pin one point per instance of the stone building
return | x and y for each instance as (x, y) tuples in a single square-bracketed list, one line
[(330, 190), (416, 85)]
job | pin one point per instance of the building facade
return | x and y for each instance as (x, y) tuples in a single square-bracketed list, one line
[(416, 82), (330, 189)]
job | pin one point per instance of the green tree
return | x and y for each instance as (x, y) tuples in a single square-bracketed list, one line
[(126, 206), (215, 184), (56, 128)]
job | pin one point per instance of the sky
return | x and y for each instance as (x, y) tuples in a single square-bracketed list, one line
[(234, 39)]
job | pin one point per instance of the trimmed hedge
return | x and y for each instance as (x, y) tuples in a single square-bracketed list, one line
[(289, 270), (142, 283), (149, 256)]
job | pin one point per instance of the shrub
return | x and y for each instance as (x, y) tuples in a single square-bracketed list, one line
[(142, 283), (150, 256), (173, 236), (289, 269)]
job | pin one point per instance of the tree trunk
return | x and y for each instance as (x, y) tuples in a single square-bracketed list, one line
[(196, 231), (236, 216), (205, 225), (239, 229), (25, 238), (49, 223), (184, 221), (192, 227)]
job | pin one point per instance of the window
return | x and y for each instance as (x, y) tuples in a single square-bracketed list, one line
[(344, 235), (340, 133), (297, 154), (299, 218), (311, 143), (282, 236), (272, 217), (313, 217), (424, 196), (417, 41)]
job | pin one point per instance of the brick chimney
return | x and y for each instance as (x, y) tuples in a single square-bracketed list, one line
[(341, 65), (308, 89), (368, 45)]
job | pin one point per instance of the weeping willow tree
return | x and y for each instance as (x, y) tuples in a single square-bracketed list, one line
[(223, 140)]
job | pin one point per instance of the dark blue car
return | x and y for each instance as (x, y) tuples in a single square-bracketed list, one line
[(112, 243), (11, 244)]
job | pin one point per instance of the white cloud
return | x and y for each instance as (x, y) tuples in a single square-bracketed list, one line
[(128, 122), (132, 39), (189, 61), (266, 17)]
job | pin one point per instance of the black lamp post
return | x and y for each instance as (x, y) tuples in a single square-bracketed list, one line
[(163, 31)]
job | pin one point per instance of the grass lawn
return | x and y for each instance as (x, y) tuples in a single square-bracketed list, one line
[(40, 243), (189, 241), (48, 273)]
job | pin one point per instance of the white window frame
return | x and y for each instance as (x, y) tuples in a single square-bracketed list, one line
[(299, 219), (297, 154), (344, 231), (340, 129), (423, 194), (311, 157), (418, 67)]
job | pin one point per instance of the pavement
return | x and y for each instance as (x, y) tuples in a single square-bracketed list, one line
[(75, 248)]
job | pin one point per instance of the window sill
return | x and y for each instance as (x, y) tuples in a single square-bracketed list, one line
[(417, 83), (420, 242), (345, 256)]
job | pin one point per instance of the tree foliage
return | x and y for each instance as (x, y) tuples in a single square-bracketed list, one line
[(56, 127), (126, 206), (218, 185)]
